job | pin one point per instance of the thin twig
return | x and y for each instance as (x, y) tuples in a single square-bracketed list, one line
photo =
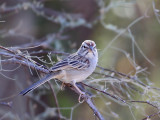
[(18, 56), (116, 72), (8, 50), (8, 104), (152, 115), (146, 102), (125, 75), (24, 63), (55, 99), (112, 96), (46, 52)]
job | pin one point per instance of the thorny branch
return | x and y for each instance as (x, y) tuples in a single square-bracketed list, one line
[(15, 58)]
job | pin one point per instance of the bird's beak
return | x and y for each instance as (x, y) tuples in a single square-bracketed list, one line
[(91, 48)]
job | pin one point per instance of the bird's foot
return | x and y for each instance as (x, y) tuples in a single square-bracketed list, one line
[(81, 97)]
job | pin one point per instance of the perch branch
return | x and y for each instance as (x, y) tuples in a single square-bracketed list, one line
[(89, 101)]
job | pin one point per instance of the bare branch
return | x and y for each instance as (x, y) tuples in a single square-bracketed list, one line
[(55, 99), (89, 101)]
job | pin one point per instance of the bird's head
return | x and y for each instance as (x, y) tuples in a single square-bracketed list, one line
[(88, 49)]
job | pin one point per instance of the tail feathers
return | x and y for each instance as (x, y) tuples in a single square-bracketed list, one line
[(37, 84)]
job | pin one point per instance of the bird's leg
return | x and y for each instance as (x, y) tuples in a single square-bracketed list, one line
[(62, 86), (81, 93)]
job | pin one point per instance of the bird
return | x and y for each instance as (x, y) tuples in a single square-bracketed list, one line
[(74, 68)]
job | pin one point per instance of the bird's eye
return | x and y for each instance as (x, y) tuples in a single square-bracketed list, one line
[(84, 47)]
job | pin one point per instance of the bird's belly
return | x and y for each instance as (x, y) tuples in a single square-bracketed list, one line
[(75, 75)]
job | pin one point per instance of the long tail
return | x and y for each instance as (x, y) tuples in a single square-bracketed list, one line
[(37, 84)]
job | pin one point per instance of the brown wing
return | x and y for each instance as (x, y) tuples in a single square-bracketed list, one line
[(72, 61)]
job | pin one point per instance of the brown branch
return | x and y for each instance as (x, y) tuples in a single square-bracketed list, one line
[(150, 116), (8, 50), (89, 101), (93, 107)]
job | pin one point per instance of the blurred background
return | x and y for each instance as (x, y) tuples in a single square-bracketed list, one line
[(126, 33)]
